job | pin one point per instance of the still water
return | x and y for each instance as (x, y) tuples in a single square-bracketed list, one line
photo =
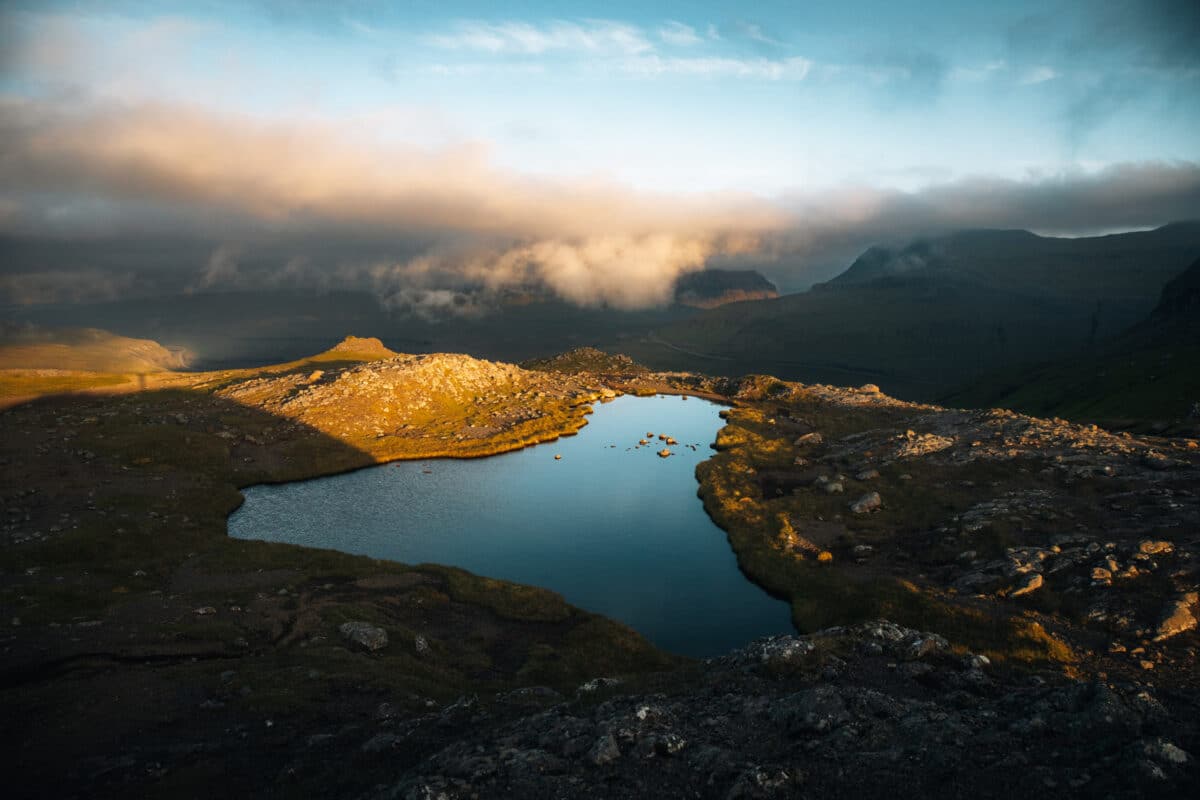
[(612, 527)]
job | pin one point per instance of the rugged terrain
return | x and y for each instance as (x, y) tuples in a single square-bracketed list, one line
[(923, 319), (1139, 380), (993, 603)]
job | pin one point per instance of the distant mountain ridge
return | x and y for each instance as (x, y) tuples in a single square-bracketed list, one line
[(87, 349), (1144, 379), (715, 287), (924, 319)]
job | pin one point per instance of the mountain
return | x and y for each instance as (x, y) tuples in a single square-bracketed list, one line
[(90, 349), (923, 320), (1144, 379), (716, 287), (252, 328)]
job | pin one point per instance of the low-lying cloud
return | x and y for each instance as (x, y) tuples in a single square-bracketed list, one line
[(431, 232)]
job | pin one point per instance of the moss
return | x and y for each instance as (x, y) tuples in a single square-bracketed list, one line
[(508, 600)]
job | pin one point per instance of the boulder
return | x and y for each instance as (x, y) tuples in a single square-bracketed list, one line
[(1178, 618), (364, 634), (869, 502), (1032, 582), (604, 751)]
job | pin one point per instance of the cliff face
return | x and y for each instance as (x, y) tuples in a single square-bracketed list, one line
[(1181, 295), (716, 287)]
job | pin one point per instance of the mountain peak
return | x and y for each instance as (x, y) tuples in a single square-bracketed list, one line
[(362, 347), (715, 287)]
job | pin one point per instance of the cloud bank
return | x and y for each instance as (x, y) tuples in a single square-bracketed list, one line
[(310, 205)]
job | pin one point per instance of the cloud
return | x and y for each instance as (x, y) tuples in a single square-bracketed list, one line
[(1037, 75), (431, 231), (679, 35), (523, 38), (831, 228), (171, 171), (795, 68), (909, 75), (63, 286)]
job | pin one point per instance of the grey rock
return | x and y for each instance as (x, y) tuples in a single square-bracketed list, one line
[(604, 751), (364, 634), (867, 503)]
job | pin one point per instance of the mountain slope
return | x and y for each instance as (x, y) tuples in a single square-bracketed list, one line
[(89, 349), (716, 287), (1145, 378), (925, 319)]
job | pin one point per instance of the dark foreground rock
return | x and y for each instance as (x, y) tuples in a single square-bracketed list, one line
[(866, 711)]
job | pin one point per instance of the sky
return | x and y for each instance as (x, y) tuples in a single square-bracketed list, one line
[(422, 149)]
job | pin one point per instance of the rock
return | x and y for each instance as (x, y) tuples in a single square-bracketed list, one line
[(773, 650), (664, 744), (914, 444), (1101, 574), (558, 457), (1165, 752), (364, 634), (596, 684), (421, 644), (604, 751), (1032, 582), (811, 439), (1154, 548), (664, 453), (867, 475), (1157, 461), (867, 503), (204, 611), (1178, 618), (380, 742)]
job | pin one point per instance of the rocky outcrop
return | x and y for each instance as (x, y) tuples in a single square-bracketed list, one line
[(868, 710)]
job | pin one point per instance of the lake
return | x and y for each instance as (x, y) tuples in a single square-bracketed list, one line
[(611, 526)]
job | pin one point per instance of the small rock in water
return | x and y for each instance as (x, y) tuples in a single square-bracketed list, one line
[(558, 457), (204, 611), (422, 645), (664, 453)]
